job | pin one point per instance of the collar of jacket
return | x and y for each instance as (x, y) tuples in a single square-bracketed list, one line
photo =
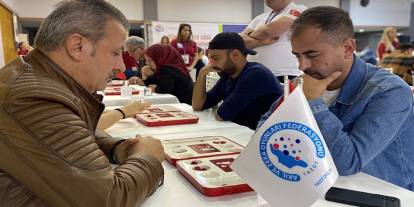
[(40, 62), (354, 82)]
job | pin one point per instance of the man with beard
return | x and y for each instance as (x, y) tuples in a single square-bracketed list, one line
[(364, 113), (247, 89)]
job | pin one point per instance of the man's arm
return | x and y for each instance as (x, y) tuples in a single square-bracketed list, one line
[(61, 151), (272, 30), (372, 131), (199, 90)]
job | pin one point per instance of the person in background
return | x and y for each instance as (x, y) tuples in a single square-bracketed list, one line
[(23, 48), (247, 89), (165, 40), (268, 35), (136, 48), (200, 63), (388, 42), (401, 61), (365, 114), (131, 65), (185, 45), (167, 69), (110, 117), (118, 72), (51, 153), (369, 56)]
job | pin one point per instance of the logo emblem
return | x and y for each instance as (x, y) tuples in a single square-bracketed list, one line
[(295, 13), (284, 149)]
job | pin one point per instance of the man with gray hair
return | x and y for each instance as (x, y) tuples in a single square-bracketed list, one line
[(136, 48), (50, 151)]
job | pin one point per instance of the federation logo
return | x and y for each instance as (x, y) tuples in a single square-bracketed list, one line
[(294, 12), (284, 149)]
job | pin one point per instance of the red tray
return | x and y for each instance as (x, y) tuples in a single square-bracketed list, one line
[(166, 118), (113, 91), (212, 176), (199, 147)]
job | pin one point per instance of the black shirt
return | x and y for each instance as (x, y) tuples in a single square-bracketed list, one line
[(173, 81)]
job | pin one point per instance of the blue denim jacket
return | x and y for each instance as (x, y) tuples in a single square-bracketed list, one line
[(370, 125)]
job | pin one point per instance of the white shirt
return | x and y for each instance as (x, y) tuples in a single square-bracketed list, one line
[(329, 96), (278, 56)]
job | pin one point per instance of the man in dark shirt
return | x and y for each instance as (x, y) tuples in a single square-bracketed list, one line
[(247, 89)]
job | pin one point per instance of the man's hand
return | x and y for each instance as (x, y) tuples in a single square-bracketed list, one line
[(314, 88), (152, 87), (148, 146), (146, 72), (136, 80), (207, 69), (121, 151), (268, 41), (135, 107)]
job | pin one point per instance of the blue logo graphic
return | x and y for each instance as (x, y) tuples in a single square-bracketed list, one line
[(288, 150)]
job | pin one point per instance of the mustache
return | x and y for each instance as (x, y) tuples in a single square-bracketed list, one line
[(314, 74)]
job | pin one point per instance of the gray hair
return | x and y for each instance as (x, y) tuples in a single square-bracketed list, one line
[(134, 41), (85, 17)]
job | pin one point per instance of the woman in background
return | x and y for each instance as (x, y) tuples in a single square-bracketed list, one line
[(185, 45), (388, 42), (170, 74), (23, 48), (165, 40)]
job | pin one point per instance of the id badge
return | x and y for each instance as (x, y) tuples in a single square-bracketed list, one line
[(186, 58), (180, 45)]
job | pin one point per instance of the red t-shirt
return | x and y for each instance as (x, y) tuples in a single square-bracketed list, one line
[(186, 48), (23, 52), (382, 49), (128, 60)]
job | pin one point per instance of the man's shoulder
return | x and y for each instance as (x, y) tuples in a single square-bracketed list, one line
[(383, 79), (30, 83), (258, 69)]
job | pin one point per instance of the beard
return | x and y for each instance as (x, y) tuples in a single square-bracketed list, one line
[(229, 68)]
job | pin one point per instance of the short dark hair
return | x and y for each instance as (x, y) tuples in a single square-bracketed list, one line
[(334, 22), (86, 17)]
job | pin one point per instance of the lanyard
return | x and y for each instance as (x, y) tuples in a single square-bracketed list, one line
[(273, 14)]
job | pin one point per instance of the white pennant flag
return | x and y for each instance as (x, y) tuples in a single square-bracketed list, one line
[(287, 161)]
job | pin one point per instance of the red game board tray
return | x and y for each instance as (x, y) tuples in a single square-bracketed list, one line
[(212, 176), (199, 147), (113, 91)]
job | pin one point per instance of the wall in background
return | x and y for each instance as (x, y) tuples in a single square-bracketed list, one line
[(218, 11), (133, 9), (313, 3), (7, 34), (2, 62), (381, 13)]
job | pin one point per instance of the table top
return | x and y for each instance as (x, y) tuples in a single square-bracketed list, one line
[(177, 191), (130, 127), (154, 98)]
